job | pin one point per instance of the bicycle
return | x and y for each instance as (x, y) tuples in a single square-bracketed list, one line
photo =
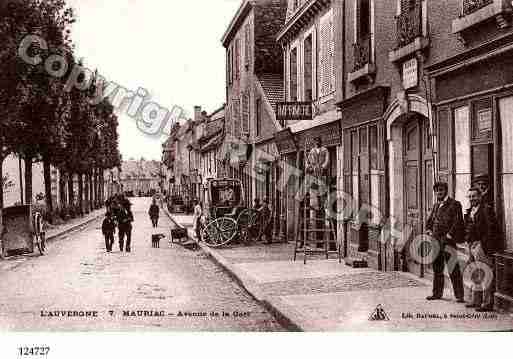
[(39, 235)]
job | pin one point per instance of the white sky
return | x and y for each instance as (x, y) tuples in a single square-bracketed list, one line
[(172, 48)]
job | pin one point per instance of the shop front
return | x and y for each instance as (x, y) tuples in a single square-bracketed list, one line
[(474, 115), (364, 180)]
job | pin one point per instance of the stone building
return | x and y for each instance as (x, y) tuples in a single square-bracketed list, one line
[(312, 52), (254, 69)]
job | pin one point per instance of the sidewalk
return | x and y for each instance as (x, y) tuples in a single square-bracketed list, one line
[(327, 296), (53, 233)]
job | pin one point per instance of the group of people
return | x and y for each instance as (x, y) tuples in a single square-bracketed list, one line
[(119, 214), (478, 228)]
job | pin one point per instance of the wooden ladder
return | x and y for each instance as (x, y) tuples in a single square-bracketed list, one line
[(307, 238)]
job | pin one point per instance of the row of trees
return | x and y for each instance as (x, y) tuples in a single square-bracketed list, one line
[(43, 119)]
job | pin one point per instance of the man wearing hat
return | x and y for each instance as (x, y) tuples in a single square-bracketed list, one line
[(445, 225), (482, 182)]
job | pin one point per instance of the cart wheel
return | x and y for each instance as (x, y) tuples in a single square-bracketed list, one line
[(219, 232), (248, 224)]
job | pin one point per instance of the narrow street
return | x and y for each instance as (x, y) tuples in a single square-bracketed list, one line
[(167, 288)]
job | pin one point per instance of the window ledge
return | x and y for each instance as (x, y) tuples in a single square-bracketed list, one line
[(420, 43), (497, 9), (366, 73)]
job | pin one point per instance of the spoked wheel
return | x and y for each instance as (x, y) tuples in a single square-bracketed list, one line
[(248, 224), (219, 232)]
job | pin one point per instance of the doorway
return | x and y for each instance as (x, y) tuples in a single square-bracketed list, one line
[(418, 189)]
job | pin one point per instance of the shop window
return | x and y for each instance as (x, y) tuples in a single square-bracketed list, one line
[(506, 121), (373, 138), (293, 75), (462, 154), (258, 106), (443, 139)]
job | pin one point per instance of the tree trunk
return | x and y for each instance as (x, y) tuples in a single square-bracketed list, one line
[(96, 192), (1, 205), (28, 180), (102, 186), (86, 193), (62, 189), (92, 199), (71, 193), (81, 193), (48, 188)]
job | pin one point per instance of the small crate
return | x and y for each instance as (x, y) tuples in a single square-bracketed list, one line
[(178, 235)]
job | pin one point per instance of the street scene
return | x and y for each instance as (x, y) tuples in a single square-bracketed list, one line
[(300, 166), (151, 289)]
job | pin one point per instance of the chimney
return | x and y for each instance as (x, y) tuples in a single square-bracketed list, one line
[(197, 113)]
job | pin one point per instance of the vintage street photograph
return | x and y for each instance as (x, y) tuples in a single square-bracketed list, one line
[(249, 166)]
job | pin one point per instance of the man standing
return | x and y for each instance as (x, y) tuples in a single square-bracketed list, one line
[(125, 219), (482, 236), (482, 183), (445, 225)]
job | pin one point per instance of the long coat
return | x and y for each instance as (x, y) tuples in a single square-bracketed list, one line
[(483, 228), (447, 220)]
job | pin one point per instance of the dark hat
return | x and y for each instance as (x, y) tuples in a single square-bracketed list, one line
[(482, 177), (441, 185)]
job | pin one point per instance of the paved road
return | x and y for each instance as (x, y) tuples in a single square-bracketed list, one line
[(169, 288)]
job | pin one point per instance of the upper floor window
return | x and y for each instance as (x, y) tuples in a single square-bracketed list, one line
[(245, 113), (326, 55), (293, 75), (247, 45), (309, 70), (258, 121), (237, 59), (229, 65)]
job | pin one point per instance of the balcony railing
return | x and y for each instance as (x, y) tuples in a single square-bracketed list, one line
[(471, 6), (409, 26), (362, 53)]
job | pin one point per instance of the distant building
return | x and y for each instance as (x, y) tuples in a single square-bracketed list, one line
[(140, 176)]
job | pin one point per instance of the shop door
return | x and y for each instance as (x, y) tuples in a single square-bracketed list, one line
[(413, 193)]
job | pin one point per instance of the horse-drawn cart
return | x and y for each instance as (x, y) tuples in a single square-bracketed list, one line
[(226, 218)]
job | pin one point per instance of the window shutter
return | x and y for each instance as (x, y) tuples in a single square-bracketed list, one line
[(245, 112), (247, 44), (237, 58), (236, 118), (327, 52)]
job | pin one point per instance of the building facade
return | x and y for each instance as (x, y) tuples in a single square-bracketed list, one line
[(313, 53), (254, 70)]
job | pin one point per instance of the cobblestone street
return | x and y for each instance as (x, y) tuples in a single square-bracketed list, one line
[(78, 275)]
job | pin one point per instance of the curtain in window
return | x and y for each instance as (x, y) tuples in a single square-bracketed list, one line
[(462, 149)]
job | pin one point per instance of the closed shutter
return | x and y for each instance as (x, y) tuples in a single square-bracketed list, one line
[(236, 118), (237, 59), (326, 56), (245, 112), (247, 52)]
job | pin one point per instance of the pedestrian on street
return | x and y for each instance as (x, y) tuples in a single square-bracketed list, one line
[(445, 225), (482, 236), (265, 215), (108, 230), (125, 219), (154, 213), (196, 219)]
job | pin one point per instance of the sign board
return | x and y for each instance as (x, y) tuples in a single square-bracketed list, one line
[(294, 111), (410, 73), (484, 121)]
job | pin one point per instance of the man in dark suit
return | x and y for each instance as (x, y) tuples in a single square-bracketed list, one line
[(482, 183), (445, 225), (482, 236)]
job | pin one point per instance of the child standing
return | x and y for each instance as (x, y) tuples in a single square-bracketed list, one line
[(108, 229), (154, 213)]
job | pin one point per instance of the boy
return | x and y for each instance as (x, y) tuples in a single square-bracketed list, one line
[(108, 229), (154, 213)]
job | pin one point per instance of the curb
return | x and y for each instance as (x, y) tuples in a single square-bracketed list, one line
[(244, 281), (74, 228)]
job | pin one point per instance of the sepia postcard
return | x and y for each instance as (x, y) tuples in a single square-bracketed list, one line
[(255, 166)]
